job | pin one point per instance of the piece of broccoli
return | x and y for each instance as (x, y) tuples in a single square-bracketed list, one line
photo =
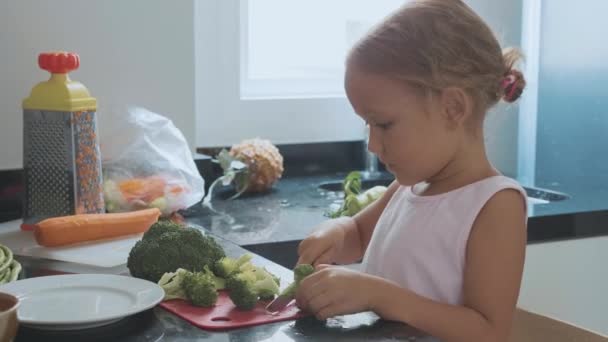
[(171, 282), (246, 287), (300, 272), (200, 288), (220, 283), (355, 200), (161, 252), (266, 288), (161, 227), (352, 183), (241, 292), (226, 266)]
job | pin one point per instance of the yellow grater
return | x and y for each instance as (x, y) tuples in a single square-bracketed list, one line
[(61, 158)]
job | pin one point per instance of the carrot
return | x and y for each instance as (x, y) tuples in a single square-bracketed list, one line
[(145, 189), (66, 230)]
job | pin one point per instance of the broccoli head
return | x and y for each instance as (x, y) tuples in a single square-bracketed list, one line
[(160, 227), (300, 272), (162, 252), (200, 288)]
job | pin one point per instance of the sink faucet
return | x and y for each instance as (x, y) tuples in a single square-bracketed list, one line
[(369, 158)]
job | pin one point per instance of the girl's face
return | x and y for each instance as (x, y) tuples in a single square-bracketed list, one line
[(408, 133)]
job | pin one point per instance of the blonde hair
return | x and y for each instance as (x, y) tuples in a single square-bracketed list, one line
[(435, 44)]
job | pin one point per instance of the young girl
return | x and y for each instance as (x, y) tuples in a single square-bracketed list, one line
[(443, 250)]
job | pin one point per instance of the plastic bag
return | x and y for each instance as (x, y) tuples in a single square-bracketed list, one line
[(146, 162)]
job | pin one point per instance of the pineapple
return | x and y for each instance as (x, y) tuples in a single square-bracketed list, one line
[(252, 165), (263, 160)]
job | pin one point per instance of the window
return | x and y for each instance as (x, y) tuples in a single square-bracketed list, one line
[(274, 69), (297, 48)]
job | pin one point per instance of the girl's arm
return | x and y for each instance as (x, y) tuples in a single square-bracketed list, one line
[(494, 265), (358, 229)]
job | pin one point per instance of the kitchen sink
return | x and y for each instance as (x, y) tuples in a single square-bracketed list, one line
[(535, 195)]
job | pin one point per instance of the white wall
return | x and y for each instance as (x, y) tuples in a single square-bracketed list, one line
[(132, 52), (141, 52)]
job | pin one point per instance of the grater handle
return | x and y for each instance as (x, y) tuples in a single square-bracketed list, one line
[(58, 62)]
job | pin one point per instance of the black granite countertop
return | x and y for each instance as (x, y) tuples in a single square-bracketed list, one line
[(286, 214)]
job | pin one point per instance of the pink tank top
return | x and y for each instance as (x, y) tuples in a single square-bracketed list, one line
[(420, 241)]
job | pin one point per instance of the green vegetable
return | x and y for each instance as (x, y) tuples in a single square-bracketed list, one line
[(2, 256), (246, 283), (220, 283), (266, 288), (5, 276), (226, 266), (6, 259), (171, 282), (249, 285), (15, 270), (200, 288), (161, 227), (9, 267), (354, 200), (300, 272), (241, 291), (167, 247), (352, 183)]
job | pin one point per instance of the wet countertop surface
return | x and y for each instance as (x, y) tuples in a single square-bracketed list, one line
[(296, 205)]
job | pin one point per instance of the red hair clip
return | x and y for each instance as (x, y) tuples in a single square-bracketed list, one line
[(509, 85)]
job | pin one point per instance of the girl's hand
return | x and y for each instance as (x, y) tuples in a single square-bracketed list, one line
[(334, 290), (324, 244)]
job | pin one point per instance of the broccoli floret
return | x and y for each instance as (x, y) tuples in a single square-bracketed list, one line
[(163, 252), (241, 291), (197, 287), (354, 199), (266, 288), (220, 283), (226, 266), (300, 272), (200, 288), (245, 288), (352, 183), (160, 227), (276, 279), (171, 283)]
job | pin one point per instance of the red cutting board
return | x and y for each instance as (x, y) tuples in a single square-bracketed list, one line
[(224, 315)]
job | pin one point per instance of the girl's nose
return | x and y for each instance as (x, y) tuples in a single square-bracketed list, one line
[(373, 145)]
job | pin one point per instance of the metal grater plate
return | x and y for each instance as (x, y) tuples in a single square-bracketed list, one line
[(48, 165)]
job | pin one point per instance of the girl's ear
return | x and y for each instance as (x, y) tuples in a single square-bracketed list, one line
[(456, 106)]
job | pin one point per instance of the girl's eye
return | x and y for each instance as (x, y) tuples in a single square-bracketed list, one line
[(384, 126)]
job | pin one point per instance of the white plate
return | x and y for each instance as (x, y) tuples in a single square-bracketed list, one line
[(80, 301)]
